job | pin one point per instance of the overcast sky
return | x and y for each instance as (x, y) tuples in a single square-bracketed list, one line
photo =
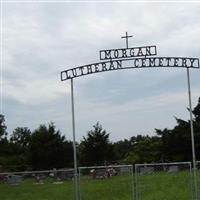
[(42, 39)]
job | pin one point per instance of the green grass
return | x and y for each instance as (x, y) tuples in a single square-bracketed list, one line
[(165, 186), (115, 188), (157, 186), (29, 191)]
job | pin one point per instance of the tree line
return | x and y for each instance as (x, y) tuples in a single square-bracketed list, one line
[(46, 148)]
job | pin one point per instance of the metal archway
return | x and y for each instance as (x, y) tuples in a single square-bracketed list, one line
[(130, 58)]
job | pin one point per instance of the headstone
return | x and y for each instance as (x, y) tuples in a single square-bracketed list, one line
[(173, 168), (39, 179), (146, 170), (125, 170), (65, 175), (100, 173), (56, 180), (14, 179), (111, 172)]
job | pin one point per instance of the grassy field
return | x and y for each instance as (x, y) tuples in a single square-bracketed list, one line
[(115, 188), (165, 186), (29, 191), (158, 186)]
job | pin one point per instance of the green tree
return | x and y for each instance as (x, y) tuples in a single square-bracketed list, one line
[(48, 149), (18, 154), (3, 141), (176, 142), (121, 149), (196, 112), (3, 127), (95, 148), (10, 154), (145, 150), (21, 136)]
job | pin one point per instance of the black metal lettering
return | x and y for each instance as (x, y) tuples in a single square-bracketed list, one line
[(132, 52), (148, 51), (176, 62), (119, 64), (68, 75), (112, 67), (161, 62), (104, 67), (65, 75), (128, 52), (140, 53), (184, 62), (168, 60), (96, 67), (143, 62), (192, 61), (151, 62), (197, 62), (107, 54), (156, 62), (74, 72), (81, 69), (89, 69), (116, 53), (124, 53), (136, 62)]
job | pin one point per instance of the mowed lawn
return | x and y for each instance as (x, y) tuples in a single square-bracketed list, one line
[(29, 191), (165, 186), (156, 186)]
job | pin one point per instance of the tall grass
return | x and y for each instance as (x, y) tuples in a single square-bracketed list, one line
[(156, 186)]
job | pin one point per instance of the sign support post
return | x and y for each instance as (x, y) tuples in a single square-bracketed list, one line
[(74, 144), (192, 136)]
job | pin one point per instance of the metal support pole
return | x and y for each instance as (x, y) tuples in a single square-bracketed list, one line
[(133, 182), (74, 144), (192, 137), (136, 183)]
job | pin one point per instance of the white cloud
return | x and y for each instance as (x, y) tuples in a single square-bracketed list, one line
[(35, 92), (42, 39)]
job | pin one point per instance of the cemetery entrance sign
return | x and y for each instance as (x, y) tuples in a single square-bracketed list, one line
[(130, 58), (129, 63), (127, 58)]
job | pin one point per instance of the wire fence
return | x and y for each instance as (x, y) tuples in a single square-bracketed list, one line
[(31, 185), (106, 182), (163, 181), (198, 178), (117, 182)]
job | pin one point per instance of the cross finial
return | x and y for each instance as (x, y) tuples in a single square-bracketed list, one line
[(127, 36)]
